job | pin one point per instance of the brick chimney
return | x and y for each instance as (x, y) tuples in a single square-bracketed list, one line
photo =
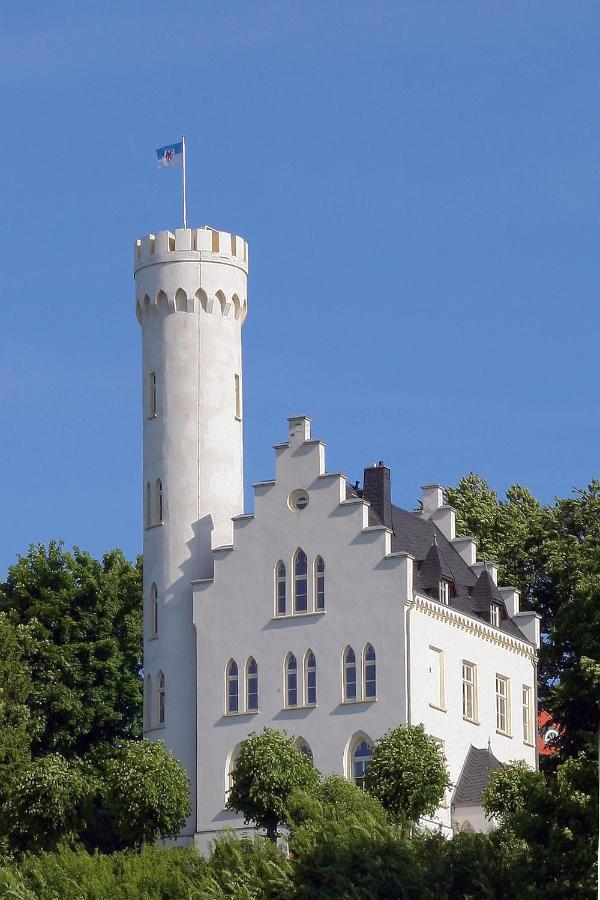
[(377, 490)]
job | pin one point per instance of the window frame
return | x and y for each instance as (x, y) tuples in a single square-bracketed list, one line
[(368, 664), (441, 686), (319, 584), (503, 706), (470, 686), (495, 614), (527, 714), (353, 747), (299, 578), (280, 579), (248, 676), (345, 682), (153, 610), (230, 680), (444, 591), (308, 670), (287, 674), (304, 747), (161, 698)]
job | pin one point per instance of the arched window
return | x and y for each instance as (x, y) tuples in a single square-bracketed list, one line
[(349, 674), (304, 747), (251, 685), (300, 582), (319, 583), (369, 673), (159, 502), (360, 758), (230, 767), (148, 505), (162, 698), (148, 702), (291, 680), (310, 678), (154, 610), (233, 687), (280, 589)]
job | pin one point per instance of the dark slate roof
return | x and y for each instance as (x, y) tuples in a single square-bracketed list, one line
[(474, 777), (434, 568), (415, 534), (484, 593)]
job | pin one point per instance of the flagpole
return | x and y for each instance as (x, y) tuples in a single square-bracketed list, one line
[(184, 187)]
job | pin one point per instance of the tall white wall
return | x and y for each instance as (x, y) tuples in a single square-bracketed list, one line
[(191, 303)]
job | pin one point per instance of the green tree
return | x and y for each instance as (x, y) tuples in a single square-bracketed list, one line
[(145, 791), (84, 619), (407, 774), (15, 719), (46, 803), (552, 555), (555, 817), (268, 769)]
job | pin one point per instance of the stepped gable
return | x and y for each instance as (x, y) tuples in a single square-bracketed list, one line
[(474, 776)]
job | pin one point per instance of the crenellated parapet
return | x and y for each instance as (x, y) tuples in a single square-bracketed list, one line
[(201, 270)]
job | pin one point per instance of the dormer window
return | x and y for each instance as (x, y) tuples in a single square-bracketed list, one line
[(444, 591), (495, 614)]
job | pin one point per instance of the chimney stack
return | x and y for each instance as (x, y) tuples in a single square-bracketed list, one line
[(377, 490)]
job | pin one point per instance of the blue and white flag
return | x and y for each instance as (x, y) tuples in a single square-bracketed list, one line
[(171, 155)]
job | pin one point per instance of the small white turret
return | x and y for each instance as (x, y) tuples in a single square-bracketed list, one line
[(191, 303)]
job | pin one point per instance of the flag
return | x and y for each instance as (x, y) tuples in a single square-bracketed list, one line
[(171, 155)]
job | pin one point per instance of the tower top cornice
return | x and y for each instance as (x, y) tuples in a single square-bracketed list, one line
[(204, 244)]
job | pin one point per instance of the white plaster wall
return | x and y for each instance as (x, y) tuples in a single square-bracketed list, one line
[(194, 445), (234, 619), (459, 643)]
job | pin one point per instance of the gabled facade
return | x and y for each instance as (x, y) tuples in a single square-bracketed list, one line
[(329, 612)]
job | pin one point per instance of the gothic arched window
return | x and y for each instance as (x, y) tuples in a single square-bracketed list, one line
[(319, 583), (310, 679), (148, 506), (162, 698), (369, 673), (154, 610), (304, 747), (300, 582), (349, 674), (159, 502), (291, 680), (233, 687), (251, 685), (361, 751), (280, 589)]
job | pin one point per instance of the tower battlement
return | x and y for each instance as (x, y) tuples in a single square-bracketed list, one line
[(200, 244)]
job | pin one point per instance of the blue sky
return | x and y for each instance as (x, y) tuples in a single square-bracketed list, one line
[(419, 183)]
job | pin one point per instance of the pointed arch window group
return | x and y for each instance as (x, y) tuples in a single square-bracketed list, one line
[(359, 676), (300, 685), (155, 702), (241, 698), (307, 587)]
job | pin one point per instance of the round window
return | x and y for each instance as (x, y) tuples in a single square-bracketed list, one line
[(298, 500)]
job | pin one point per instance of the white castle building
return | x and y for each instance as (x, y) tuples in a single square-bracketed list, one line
[(329, 612)]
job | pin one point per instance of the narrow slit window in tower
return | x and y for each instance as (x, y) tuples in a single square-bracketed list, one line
[(238, 398), (152, 396)]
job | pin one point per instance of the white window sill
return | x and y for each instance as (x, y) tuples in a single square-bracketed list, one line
[(249, 712), (503, 733), (152, 416), (354, 702), (528, 744), (155, 728), (472, 721), (153, 637), (156, 525), (439, 708), (300, 615), (304, 706)]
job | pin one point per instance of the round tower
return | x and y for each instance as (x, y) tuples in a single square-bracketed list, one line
[(191, 302)]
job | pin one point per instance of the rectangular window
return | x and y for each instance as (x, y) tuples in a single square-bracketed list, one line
[(444, 592), (436, 671), (495, 614), (469, 690), (152, 396), (502, 704), (238, 398), (527, 701)]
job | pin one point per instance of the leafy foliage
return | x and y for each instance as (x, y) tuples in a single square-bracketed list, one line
[(269, 768), (146, 791), (15, 719), (407, 773), (46, 803), (552, 554), (84, 621)]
